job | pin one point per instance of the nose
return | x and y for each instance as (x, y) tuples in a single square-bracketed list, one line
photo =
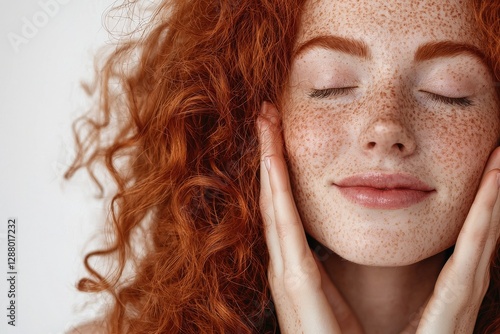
[(387, 136)]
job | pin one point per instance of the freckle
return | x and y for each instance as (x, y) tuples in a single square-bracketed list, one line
[(321, 137)]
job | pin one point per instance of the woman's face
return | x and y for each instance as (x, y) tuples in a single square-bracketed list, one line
[(388, 122)]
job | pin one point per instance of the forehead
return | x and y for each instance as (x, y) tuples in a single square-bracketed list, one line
[(422, 19)]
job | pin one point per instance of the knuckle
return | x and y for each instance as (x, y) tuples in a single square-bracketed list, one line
[(302, 277), (479, 238), (276, 286), (264, 200), (281, 228), (265, 210), (275, 277), (284, 227), (453, 291)]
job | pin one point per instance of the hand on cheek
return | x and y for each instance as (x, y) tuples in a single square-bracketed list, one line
[(306, 300), (462, 284)]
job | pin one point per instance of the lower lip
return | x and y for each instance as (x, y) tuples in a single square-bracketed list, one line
[(390, 199)]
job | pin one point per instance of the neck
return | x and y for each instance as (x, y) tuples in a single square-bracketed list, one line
[(385, 299)]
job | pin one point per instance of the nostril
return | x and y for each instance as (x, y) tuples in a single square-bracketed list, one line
[(371, 144), (400, 146)]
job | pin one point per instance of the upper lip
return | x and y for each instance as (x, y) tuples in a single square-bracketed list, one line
[(385, 181)]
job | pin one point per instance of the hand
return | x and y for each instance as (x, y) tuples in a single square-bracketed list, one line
[(460, 288), (306, 300)]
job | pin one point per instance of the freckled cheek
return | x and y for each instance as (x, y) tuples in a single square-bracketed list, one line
[(464, 144), (313, 139), (460, 148)]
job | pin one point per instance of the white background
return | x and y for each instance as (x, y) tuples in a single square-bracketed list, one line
[(40, 96)]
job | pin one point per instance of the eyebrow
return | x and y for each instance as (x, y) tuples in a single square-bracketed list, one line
[(433, 50), (360, 49), (350, 46)]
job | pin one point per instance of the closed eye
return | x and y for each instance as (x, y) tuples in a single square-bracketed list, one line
[(328, 92), (454, 101)]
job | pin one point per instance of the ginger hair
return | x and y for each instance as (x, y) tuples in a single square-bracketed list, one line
[(174, 126)]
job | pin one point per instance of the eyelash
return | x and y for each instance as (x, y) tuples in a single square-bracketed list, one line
[(328, 92), (324, 93), (454, 101)]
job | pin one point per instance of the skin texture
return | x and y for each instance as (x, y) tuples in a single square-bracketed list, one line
[(385, 263), (328, 139), (352, 298)]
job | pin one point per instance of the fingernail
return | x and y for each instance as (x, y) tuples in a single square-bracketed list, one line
[(267, 161), (259, 125), (269, 112), (498, 179), (263, 109)]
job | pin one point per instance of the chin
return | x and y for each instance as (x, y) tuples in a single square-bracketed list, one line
[(387, 252), (380, 261)]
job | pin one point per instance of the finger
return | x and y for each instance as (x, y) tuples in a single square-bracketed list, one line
[(493, 162), (474, 234), (482, 278), (266, 204), (493, 234), (295, 251), (494, 230), (455, 294), (284, 308), (307, 302)]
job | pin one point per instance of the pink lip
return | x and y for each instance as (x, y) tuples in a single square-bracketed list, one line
[(384, 191)]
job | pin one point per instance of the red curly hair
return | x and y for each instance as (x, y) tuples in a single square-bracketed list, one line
[(175, 128)]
